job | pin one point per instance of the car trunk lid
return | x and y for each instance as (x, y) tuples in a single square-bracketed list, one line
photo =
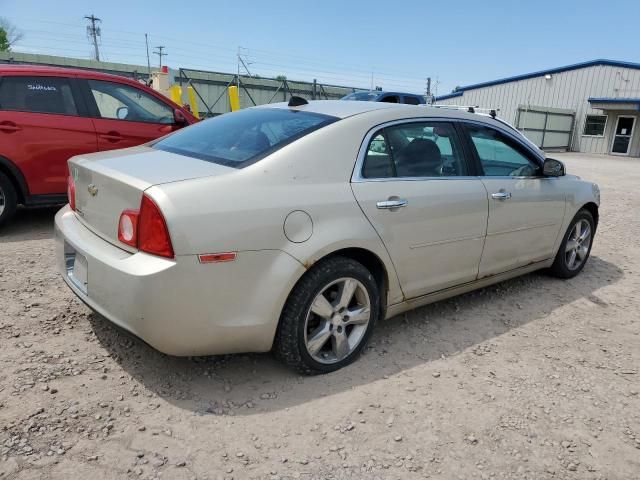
[(110, 182)]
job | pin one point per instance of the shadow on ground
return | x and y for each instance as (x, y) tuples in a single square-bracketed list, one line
[(29, 224), (217, 384)]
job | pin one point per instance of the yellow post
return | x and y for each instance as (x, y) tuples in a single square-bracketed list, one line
[(176, 94), (234, 98), (191, 93)]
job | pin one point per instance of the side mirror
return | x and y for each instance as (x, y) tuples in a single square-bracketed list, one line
[(553, 168), (179, 118), (122, 113)]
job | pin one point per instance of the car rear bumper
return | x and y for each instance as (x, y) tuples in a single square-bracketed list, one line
[(179, 306)]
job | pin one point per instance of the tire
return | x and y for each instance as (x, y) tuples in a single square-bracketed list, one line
[(8, 199), (301, 331), (562, 267)]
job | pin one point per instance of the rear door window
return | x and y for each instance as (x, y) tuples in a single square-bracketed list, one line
[(241, 138), (118, 101), (51, 95), (416, 149)]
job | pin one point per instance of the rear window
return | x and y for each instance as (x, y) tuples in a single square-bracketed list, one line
[(241, 138), (37, 94)]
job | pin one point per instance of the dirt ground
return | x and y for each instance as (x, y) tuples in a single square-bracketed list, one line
[(534, 378)]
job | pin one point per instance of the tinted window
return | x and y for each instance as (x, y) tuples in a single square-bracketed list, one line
[(594, 125), (240, 138), (424, 149), (499, 156), (124, 102), (37, 94), (362, 96), (411, 100)]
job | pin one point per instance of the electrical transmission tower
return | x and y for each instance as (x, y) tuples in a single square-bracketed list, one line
[(160, 53), (93, 32)]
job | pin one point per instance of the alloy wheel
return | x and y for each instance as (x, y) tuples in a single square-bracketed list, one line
[(578, 244), (337, 320)]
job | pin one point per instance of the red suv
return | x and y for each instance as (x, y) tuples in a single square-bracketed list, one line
[(49, 114)]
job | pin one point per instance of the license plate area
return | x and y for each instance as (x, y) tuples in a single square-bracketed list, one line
[(76, 267)]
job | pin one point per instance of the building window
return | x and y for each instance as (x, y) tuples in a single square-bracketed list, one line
[(594, 125)]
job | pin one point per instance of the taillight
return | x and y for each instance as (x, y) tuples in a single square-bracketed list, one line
[(145, 229), (128, 227), (71, 192), (153, 235)]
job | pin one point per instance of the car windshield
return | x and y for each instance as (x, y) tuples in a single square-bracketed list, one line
[(362, 96), (241, 138)]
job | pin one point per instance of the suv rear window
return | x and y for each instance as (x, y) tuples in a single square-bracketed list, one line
[(37, 94), (241, 138)]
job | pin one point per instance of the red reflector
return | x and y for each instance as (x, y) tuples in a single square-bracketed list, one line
[(71, 192), (153, 235), (217, 257)]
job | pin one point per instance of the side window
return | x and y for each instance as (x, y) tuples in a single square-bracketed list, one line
[(390, 99), (118, 101), (377, 163), (418, 149), (499, 156), (37, 94), (411, 100)]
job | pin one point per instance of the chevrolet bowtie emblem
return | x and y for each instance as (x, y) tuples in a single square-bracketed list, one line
[(92, 189)]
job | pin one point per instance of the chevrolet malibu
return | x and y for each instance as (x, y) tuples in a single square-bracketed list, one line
[(296, 227)]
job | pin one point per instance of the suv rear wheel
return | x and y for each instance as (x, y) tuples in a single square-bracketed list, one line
[(8, 199)]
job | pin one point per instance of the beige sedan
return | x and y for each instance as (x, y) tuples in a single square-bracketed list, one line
[(296, 227)]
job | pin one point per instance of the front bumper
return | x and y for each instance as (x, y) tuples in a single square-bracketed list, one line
[(180, 306)]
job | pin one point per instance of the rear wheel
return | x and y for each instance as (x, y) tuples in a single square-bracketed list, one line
[(575, 247), (8, 199), (328, 317)]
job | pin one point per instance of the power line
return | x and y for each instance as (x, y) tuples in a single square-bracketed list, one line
[(93, 32), (160, 54)]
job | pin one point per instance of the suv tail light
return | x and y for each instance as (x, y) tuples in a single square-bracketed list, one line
[(71, 192), (146, 229)]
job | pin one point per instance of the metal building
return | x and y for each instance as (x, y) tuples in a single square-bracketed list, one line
[(591, 107)]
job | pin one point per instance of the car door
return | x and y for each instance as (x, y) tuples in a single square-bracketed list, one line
[(126, 116), (41, 127), (413, 183), (526, 209)]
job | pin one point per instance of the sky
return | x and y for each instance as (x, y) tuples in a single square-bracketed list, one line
[(395, 45)]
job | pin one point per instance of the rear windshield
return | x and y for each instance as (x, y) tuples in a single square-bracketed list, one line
[(241, 138)]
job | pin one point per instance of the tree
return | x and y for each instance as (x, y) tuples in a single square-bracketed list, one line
[(281, 78), (9, 35)]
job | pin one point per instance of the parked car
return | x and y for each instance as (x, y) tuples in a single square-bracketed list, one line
[(296, 227), (49, 114), (389, 97)]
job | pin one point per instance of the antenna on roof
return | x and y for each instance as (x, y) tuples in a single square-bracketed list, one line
[(297, 101)]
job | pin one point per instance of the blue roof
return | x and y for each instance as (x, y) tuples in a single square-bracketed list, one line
[(601, 61), (613, 100)]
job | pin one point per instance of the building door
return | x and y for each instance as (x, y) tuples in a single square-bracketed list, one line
[(549, 128), (622, 135)]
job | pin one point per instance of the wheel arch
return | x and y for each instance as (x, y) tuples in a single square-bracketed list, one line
[(592, 208), (15, 177)]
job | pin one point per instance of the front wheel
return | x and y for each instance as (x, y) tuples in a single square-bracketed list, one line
[(329, 317), (575, 247)]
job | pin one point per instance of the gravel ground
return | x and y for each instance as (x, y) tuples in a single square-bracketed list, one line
[(534, 378)]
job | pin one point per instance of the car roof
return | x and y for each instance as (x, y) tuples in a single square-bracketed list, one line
[(342, 109), (62, 71)]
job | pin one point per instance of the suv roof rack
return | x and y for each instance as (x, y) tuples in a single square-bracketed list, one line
[(492, 112)]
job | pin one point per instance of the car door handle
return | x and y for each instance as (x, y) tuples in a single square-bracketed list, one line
[(389, 204), (111, 137), (501, 195), (9, 127)]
